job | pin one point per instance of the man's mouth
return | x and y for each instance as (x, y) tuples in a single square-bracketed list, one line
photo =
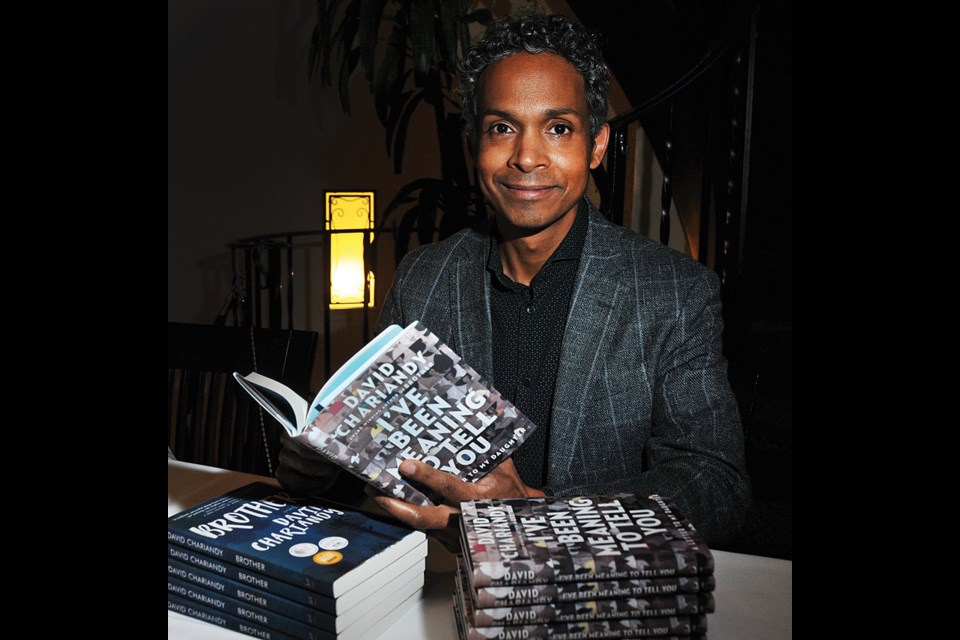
[(528, 191)]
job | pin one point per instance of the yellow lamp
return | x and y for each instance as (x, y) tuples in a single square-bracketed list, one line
[(349, 216)]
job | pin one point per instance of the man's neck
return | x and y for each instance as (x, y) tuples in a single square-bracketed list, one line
[(523, 255)]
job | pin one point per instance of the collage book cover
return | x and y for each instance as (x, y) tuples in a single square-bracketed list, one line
[(579, 538), (307, 542), (410, 397)]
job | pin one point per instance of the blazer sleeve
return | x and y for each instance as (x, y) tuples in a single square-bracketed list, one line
[(696, 453)]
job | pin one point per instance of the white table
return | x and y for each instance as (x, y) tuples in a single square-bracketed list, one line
[(753, 595)]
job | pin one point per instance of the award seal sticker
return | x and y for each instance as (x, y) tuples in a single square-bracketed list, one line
[(328, 557), (303, 549), (332, 543)]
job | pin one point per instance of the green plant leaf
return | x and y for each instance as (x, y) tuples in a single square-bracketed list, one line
[(394, 111), (346, 69), (404, 195), (371, 14), (449, 23), (318, 38), (400, 138), (343, 40), (404, 229), (390, 75), (326, 16), (422, 28)]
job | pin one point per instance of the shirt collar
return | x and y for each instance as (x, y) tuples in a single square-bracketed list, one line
[(570, 248)]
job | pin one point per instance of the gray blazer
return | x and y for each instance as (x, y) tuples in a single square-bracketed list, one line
[(642, 401)]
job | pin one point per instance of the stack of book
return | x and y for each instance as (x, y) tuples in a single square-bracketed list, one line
[(259, 562), (612, 566)]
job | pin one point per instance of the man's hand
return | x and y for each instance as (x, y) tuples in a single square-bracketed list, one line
[(302, 470), (501, 482)]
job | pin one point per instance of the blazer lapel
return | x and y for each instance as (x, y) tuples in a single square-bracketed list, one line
[(590, 323), (470, 309)]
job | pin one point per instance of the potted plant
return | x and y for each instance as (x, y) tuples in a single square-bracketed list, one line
[(413, 67)]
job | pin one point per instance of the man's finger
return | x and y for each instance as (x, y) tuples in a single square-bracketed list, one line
[(416, 516), (452, 488)]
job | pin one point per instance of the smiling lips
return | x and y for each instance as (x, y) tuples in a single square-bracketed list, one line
[(527, 191)]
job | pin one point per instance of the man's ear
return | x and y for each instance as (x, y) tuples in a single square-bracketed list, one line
[(599, 146)]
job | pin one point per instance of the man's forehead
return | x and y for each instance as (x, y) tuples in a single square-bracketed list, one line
[(521, 78)]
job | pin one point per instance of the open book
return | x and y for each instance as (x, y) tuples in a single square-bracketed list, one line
[(404, 395)]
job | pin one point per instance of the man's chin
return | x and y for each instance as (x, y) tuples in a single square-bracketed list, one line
[(520, 224)]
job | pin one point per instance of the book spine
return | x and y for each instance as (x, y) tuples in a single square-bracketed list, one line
[(195, 542), (493, 597), (523, 595), (210, 582), (243, 611), (195, 610), (656, 606), (529, 572), (632, 628), (467, 632), (583, 610), (214, 566)]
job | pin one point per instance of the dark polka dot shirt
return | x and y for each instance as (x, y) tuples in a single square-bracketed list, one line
[(528, 324)]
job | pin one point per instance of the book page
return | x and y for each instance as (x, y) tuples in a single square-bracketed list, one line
[(352, 367), (278, 399)]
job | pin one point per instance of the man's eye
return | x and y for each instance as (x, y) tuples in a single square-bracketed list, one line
[(560, 129), (500, 128)]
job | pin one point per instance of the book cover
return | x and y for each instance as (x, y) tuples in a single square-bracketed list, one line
[(578, 539), (213, 584), (669, 627), (687, 604), (285, 624), (207, 568), (516, 595), (305, 542), (415, 399)]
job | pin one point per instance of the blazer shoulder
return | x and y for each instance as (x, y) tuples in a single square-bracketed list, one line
[(651, 255), (435, 256)]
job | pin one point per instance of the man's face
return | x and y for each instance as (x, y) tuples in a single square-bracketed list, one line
[(534, 149)]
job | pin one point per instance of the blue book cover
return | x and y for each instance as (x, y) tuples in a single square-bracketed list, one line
[(305, 542)]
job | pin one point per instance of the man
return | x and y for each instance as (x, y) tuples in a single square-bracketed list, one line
[(608, 341)]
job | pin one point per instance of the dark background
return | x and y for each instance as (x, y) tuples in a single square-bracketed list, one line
[(648, 46)]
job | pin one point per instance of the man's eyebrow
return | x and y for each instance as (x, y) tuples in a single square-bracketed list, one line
[(563, 111), (549, 113)]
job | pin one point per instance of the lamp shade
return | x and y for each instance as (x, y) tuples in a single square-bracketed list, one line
[(349, 223)]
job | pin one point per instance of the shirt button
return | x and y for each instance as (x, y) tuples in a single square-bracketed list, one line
[(526, 381), (529, 308)]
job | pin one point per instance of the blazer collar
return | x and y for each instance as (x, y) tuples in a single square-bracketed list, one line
[(594, 294)]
